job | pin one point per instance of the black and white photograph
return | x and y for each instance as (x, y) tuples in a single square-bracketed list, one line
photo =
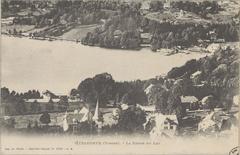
[(119, 77)]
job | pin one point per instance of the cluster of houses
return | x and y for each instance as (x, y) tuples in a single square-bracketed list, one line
[(80, 114)]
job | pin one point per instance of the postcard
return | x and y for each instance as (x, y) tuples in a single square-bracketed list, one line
[(135, 77)]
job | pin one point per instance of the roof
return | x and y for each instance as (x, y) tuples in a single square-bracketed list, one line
[(117, 32), (146, 35), (73, 100), (206, 99), (150, 108), (148, 89), (124, 106), (196, 74), (188, 99), (41, 100)]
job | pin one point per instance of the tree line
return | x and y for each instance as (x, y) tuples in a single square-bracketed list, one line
[(167, 35), (14, 103)]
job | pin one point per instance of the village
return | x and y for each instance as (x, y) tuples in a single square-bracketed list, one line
[(80, 118)]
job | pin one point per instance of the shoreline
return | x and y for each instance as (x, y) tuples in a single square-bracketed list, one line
[(168, 52)]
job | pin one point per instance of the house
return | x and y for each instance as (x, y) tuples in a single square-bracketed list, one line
[(213, 47), (165, 125), (124, 106), (236, 100), (75, 104), (146, 38), (216, 121), (117, 33), (148, 89), (196, 77), (213, 35), (73, 120), (7, 21), (207, 101), (190, 102)]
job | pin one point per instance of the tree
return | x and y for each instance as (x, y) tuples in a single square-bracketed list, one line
[(4, 93), (45, 118), (5, 6), (135, 96), (99, 87), (74, 92), (63, 103), (131, 120), (50, 105), (20, 107), (158, 96), (34, 106), (156, 5)]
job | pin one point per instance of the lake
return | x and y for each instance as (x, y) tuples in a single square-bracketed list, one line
[(60, 66)]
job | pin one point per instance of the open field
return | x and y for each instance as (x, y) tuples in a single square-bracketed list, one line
[(78, 32)]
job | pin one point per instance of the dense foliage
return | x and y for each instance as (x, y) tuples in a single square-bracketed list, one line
[(166, 35), (219, 73), (15, 101), (131, 120), (118, 31), (103, 88), (200, 8), (45, 118)]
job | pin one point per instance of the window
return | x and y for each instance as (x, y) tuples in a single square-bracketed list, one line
[(165, 127), (171, 126)]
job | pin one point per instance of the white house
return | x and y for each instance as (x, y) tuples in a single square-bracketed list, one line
[(166, 125), (190, 102)]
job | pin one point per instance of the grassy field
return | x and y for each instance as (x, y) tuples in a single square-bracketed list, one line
[(78, 32)]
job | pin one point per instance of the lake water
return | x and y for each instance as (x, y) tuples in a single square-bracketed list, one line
[(60, 66)]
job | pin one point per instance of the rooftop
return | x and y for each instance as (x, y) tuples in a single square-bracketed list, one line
[(188, 99)]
